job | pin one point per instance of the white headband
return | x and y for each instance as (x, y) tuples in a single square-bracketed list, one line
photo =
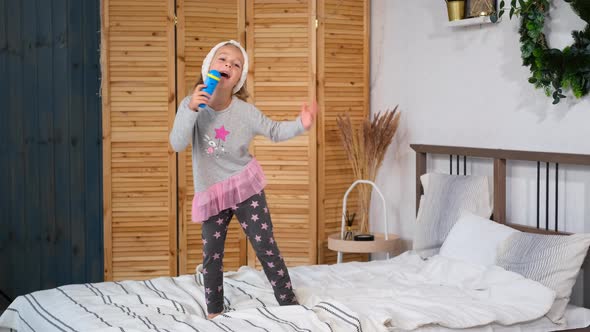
[(207, 63)]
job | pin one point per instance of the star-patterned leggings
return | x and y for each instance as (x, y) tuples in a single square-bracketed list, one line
[(254, 217)]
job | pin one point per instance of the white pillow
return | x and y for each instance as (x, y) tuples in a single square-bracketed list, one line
[(444, 198), (425, 180), (475, 239), (552, 260)]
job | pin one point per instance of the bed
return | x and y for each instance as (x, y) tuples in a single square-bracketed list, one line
[(407, 292)]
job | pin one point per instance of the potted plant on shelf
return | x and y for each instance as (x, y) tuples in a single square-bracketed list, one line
[(349, 221), (455, 9), (365, 146)]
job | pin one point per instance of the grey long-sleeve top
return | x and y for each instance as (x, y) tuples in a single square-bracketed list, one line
[(220, 139)]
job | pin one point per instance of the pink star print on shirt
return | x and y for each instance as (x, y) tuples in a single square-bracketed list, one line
[(254, 204), (221, 133), (254, 217)]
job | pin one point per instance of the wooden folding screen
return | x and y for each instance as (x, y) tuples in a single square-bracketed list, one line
[(281, 40), (343, 86), (139, 171), (148, 69), (201, 25)]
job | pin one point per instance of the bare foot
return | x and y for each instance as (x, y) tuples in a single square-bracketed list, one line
[(211, 316)]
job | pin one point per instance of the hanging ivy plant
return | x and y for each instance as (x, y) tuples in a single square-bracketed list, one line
[(552, 69)]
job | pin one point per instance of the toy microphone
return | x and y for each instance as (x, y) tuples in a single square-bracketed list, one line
[(211, 83)]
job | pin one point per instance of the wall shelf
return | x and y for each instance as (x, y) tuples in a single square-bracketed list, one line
[(470, 21)]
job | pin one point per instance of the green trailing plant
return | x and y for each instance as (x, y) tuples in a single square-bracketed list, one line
[(552, 70)]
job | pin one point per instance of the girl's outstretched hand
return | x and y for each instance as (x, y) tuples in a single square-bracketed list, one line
[(308, 114)]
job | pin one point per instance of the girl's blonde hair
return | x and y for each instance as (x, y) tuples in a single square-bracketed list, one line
[(242, 93)]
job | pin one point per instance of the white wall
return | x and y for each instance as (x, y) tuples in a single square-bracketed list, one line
[(466, 87)]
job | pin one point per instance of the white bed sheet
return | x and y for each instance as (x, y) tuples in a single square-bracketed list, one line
[(343, 297), (576, 317), (406, 292)]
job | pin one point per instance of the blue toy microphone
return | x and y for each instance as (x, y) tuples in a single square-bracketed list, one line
[(211, 83)]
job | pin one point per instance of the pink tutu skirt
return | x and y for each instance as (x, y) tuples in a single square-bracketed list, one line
[(229, 192)]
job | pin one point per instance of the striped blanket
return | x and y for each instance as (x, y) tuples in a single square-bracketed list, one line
[(404, 293), (169, 304)]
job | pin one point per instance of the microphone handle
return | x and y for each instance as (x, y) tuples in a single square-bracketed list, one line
[(211, 83)]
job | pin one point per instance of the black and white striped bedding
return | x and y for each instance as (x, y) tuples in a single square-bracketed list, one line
[(169, 305), (403, 293)]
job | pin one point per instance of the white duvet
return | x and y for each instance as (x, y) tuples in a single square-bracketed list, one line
[(403, 293)]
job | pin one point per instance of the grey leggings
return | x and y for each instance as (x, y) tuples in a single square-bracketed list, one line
[(254, 218)]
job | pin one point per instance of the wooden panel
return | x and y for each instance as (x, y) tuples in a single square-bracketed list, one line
[(28, 125), (281, 44), (420, 170), (343, 86), (49, 145), (499, 214), (201, 25), (550, 157), (138, 112), (7, 160)]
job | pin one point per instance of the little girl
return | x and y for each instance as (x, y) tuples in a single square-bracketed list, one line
[(228, 180)]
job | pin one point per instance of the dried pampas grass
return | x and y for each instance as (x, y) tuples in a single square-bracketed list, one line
[(365, 147)]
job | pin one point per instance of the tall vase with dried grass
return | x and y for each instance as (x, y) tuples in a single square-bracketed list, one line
[(365, 145)]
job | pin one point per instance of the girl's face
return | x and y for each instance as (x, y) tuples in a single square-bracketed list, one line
[(229, 62)]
